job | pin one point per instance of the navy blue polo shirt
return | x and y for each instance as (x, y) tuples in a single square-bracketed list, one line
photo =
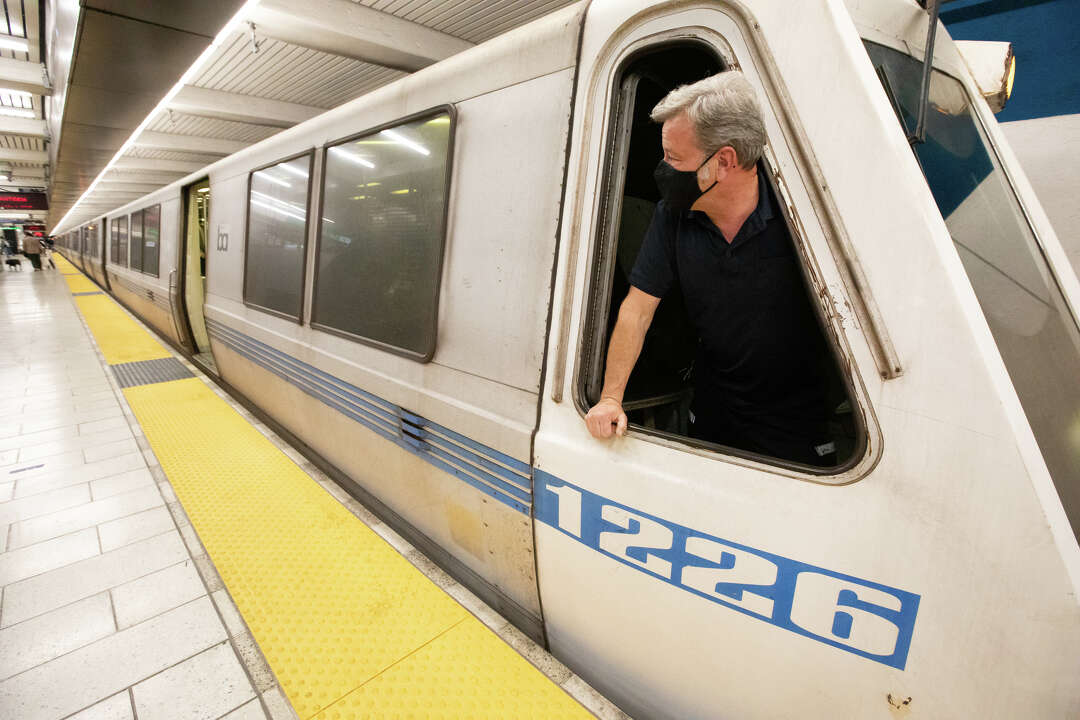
[(760, 379)]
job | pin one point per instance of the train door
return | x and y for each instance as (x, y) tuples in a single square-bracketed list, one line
[(193, 270), (102, 240), (657, 551)]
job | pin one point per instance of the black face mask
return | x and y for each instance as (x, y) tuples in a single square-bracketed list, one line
[(679, 188)]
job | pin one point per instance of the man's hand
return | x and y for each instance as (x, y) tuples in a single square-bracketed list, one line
[(606, 419)]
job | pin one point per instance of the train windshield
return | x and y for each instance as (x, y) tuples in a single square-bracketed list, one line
[(1031, 323)]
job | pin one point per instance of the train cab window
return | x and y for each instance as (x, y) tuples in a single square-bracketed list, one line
[(672, 387), (151, 222), (382, 233), (136, 241), (277, 236)]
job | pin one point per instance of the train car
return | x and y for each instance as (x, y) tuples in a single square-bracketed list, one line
[(419, 286)]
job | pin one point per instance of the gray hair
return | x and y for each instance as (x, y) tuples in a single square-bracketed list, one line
[(723, 110)]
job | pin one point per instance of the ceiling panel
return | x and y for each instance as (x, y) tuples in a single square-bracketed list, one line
[(181, 124), (276, 70)]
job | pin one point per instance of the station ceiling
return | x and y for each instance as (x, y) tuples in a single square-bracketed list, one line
[(249, 69)]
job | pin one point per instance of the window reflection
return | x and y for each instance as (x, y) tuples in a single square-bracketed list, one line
[(382, 231), (277, 234)]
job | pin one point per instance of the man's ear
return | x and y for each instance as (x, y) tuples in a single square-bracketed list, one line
[(727, 158)]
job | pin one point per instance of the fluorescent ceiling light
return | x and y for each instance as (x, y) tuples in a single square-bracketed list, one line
[(295, 171), (226, 33), (277, 181), (20, 93), (353, 158), (402, 140), (268, 206), (283, 203), (15, 215), (13, 43), (17, 112)]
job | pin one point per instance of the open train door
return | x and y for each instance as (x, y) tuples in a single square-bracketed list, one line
[(190, 283)]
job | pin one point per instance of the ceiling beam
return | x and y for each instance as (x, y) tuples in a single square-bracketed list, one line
[(23, 126), (25, 76), (241, 108), (35, 157), (134, 187), (145, 178), (188, 143), (23, 181), (156, 165), (26, 172), (345, 28)]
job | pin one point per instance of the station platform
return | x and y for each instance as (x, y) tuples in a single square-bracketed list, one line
[(165, 555)]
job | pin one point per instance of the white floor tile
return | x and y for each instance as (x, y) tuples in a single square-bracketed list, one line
[(35, 438), (111, 450), (52, 464), (80, 678), (7, 489), (8, 457), (23, 508), (153, 594), (42, 593), (93, 513), (77, 442), (251, 711), (48, 636), (205, 686), (95, 426), (118, 707), (94, 389), (46, 478), (19, 564), (45, 421), (3, 538), (122, 483), (126, 530)]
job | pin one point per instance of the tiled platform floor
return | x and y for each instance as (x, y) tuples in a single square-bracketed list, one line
[(109, 605), (102, 611)]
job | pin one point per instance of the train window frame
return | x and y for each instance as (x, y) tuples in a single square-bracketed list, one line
[(299, 317), (593, 338), (131, 238), (122, 249), (142, 214), (451, 111), (113, 240)]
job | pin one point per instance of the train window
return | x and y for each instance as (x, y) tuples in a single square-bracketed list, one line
[(135, 241), (277, 236), (121, 240), (114, 241), (382, 234), (151, 225), (687, 385), (1028, 315)]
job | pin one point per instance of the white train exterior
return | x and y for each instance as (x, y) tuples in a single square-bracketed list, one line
[(934, 575)]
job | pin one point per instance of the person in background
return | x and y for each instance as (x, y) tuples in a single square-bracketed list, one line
[(32, 250)]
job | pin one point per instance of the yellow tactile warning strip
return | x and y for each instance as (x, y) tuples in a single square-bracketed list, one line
[(350, 628), (119, 338), (80, 283)]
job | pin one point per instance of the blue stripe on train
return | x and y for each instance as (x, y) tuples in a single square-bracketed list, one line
[(481, 467)]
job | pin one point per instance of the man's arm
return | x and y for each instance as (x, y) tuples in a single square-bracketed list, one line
[(635, 316)]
